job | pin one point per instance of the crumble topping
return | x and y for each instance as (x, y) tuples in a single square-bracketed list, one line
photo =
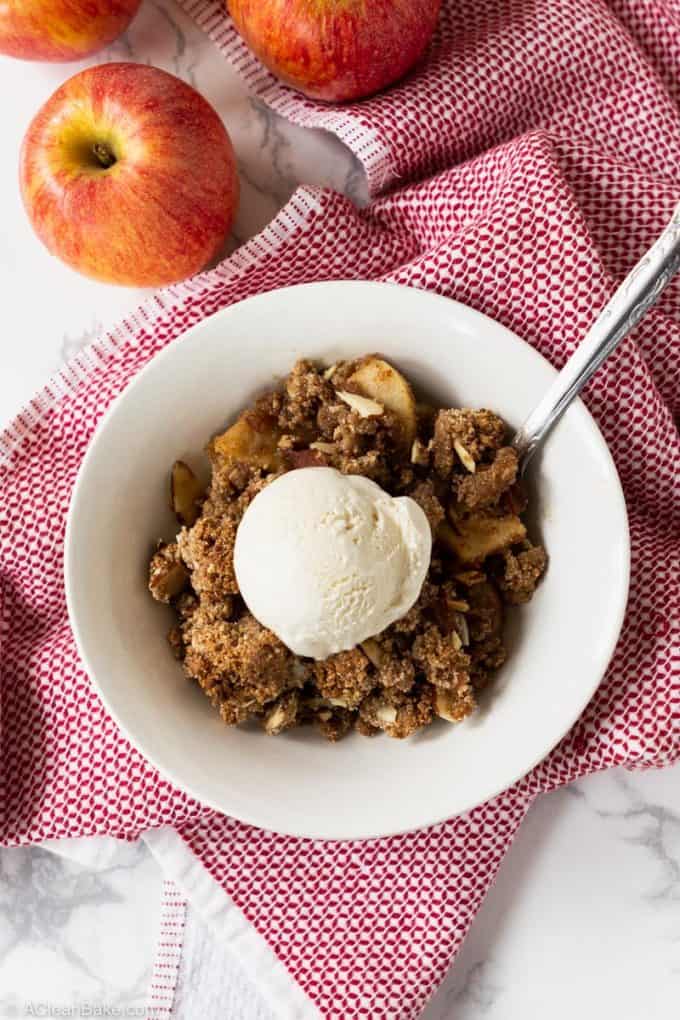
[(359, 417), (463, 436)]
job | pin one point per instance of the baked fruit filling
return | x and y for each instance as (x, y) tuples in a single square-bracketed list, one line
[(359, 417)]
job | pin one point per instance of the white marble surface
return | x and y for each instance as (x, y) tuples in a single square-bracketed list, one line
[(585, 916)]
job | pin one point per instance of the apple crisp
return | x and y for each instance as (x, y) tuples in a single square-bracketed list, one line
[(362, 418)]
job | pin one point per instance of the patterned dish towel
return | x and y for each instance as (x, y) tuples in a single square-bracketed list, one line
[(522, 169)]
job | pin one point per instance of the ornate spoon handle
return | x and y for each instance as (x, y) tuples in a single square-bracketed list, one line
[(618, 318)]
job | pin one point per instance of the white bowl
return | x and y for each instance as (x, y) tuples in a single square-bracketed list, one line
[(298, 783)]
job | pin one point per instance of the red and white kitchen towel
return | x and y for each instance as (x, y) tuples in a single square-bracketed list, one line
[(522, 169)]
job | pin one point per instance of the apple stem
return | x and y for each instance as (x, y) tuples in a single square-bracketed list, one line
[(103, 155)]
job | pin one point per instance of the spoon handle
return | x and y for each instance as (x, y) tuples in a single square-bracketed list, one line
[(618, 318)]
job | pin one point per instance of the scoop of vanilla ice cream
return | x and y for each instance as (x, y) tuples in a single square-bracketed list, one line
[(326, 560)]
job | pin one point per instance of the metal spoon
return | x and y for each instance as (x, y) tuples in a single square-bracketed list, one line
[(636, 295)]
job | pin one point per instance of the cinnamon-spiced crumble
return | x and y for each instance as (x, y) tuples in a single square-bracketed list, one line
[(361, 418)]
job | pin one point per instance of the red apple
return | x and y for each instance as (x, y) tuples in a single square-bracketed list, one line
[(61, 29), (336, 49), (128, 175)]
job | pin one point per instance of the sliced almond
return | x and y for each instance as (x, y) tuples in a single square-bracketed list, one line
[(462, 629), (281, 714), (337, 702), (323, 447), (364, 406), (386, 714), (330, 372), (373, 651), (419, 454), (448, 706), (275, 721), (456, 641), (460, 605), (464, 456)]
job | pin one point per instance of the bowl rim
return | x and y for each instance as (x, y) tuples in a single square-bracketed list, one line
[(190, 335)]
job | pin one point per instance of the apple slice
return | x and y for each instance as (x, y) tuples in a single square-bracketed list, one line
[(377, 379), (185, 493), (245, 444), (282, 714), (474, 539)]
